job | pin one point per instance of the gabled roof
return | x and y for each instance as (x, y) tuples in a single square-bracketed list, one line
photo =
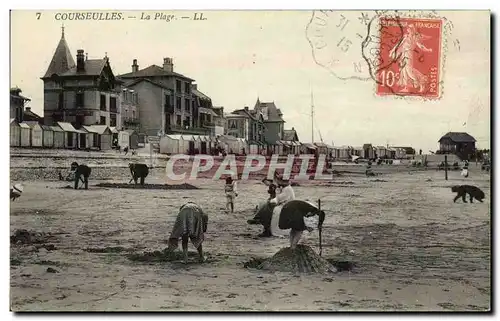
[(57, 129), (243, 112), (91, 129), (459, 137), (208, 111), (32, 123), (24, 125), (13, 120), (309, 145), (19, 97), (200, 95), (61, 61), (46, 127), (153, 71), (290, 135), (29, 115), (101, 129), (131, 83), (67, 127), (270, 111), (93, 67), (319, 144)]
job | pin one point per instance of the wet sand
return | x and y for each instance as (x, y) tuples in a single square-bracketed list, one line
[(413, 247)]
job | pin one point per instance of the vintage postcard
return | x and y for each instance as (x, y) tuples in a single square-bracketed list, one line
[(318, 160)]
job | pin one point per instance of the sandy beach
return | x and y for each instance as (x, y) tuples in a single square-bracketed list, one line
[(413, 248)]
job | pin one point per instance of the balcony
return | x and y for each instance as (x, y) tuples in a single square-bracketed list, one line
[(177, 129)]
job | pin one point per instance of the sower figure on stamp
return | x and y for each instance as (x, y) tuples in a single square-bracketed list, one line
[(191, 224), (404, 52)]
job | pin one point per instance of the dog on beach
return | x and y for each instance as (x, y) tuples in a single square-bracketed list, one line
[(463, 190)]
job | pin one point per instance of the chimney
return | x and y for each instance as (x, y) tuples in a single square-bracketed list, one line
[(168, 64), (135, 67), (293, 128), (28, 108), (80, 60), (246, 108), (195, 86)]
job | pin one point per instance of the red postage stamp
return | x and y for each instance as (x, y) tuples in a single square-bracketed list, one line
[(409, 57)]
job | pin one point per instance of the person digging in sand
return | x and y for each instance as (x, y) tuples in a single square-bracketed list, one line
[(191, 224)]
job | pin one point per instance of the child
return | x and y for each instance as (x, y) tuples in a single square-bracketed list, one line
[(465, 169), (231, 193)]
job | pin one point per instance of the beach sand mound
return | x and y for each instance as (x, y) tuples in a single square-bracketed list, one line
[(302, 259)]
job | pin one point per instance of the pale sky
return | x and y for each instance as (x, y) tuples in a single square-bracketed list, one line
[(237, 56)]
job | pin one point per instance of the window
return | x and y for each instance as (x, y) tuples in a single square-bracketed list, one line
[(60, 104), (103, 120), (178, 87), (187, 122), (178, 120), (112, 120), (187, 88), (166, 105), (112, 104), (133, 114), (178, 103), (103, 102), (187, 106), (126, 112), (80, 99)]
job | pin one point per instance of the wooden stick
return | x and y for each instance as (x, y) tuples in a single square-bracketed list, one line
[(320, 227), (445, 167)]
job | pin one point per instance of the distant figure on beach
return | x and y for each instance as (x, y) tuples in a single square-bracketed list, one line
[(191, 224), (465, 169), (138, 171), (82, 173), (125, 150), (231, 193)]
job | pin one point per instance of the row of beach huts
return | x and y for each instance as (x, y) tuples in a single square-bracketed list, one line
[(63, 135), (202, 144), (199, 144)]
